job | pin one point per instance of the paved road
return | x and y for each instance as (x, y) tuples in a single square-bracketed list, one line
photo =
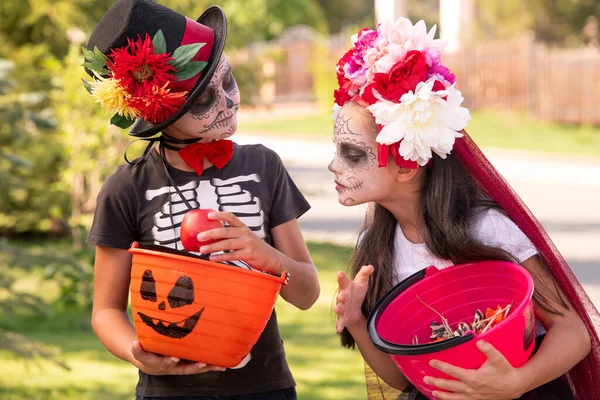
[(564, 193)]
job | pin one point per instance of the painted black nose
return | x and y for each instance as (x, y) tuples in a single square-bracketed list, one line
[(229, 102), (162, 306)]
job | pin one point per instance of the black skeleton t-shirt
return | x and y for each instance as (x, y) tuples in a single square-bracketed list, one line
[(137, 204)]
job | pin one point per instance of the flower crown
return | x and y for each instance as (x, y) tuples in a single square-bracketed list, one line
[(397, 74), (136, 81)]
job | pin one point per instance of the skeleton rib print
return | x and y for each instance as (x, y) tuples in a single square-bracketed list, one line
[(218, 194)]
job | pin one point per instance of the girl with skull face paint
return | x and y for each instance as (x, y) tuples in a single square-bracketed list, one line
[(163, 73), (436, 200)]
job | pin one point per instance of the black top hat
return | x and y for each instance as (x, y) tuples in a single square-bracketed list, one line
[(129, 18)]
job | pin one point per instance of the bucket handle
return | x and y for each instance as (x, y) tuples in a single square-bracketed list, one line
[(284, 278), (400, 349)]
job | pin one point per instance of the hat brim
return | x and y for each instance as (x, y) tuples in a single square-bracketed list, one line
[(214, 18)]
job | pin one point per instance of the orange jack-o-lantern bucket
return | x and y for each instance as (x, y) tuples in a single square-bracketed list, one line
[(187, 307)]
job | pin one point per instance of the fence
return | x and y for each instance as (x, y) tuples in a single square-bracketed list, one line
[(559, 85)]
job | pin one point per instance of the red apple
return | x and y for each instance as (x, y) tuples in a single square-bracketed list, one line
[(195, 222)]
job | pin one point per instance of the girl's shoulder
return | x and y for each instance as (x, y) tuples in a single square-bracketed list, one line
[(494, 228)]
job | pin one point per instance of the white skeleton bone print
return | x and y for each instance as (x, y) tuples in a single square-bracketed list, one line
[(218, 194)]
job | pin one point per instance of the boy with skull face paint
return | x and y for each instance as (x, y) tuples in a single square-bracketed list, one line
[(164, 73)]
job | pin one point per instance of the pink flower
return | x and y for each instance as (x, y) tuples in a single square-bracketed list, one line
[(355, 68), (442, 72)]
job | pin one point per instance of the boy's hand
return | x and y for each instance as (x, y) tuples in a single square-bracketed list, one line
[(240, 243), (351, 296), (153, 364)]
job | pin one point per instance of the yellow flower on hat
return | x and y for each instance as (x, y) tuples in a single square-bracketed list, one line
[(111, 95)]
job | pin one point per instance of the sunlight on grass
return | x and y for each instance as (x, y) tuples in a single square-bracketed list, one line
[(511, 130), (321, 367), (94, 374)]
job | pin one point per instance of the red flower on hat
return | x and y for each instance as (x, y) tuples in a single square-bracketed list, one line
[(138, 68), (159, 104), (341, 95), (403, 77), (341, 78)]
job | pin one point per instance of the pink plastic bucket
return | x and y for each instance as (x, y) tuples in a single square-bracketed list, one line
[(456, 292)]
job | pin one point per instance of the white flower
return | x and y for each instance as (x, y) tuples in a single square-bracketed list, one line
[(335, 111), (423, 121), (415, 37), (398, 38)]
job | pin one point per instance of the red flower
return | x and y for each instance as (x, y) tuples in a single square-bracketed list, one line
[(159, 104), (341, 96), (341, 78), (438, 86), (139, 68), (403, 77)]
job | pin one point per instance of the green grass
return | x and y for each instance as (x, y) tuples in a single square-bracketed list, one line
[(321, 367), (511, 130)]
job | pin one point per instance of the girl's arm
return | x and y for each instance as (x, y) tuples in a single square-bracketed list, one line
[(567, 340), (111, 322), (288, 253), (566, 343), (348, 308), (380, 362)]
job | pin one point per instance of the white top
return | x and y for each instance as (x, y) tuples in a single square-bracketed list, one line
[(492, 228)]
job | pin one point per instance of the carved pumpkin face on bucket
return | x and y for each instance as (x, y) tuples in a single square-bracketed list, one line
[(180, 295), (198, 310)]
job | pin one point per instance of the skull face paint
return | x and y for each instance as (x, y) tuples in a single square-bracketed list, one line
[(214, 115), (358, 178)]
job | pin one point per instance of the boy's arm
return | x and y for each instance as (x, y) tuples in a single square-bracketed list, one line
[(303, 289)]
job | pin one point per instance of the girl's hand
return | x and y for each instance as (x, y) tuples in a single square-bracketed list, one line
[(496, 379), (240, 243), (351, 296), (153, 364)]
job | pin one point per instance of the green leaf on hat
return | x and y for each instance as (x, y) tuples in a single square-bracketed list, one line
[(184, 54), (121, 121), (94, 67), (159, 42), (96, 61), (99, 55), (88, 54), (87, 86), (189, 70)]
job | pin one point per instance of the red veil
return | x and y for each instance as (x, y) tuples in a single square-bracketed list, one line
[(584, 377)]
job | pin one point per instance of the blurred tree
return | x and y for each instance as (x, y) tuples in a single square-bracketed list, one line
[(558, 22), (29, 159), (91, 148), (343, 14), (34, 22), (591, 31), (426, 10), (256, 20)]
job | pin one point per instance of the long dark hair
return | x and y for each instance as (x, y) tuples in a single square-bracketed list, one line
[(451, 200)]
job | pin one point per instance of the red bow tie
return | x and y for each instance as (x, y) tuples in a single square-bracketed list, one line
[(218, 153)]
